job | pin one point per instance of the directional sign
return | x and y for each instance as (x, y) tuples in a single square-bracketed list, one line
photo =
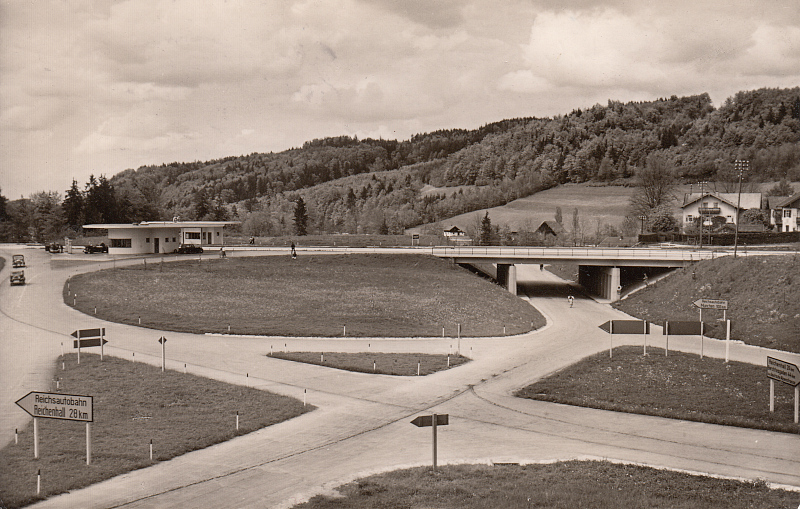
[(711, 304), (683, 328), (783, 371), (89, 342), (68, 407), (626, 327), (89, 333), (162, 340), (424, 421)]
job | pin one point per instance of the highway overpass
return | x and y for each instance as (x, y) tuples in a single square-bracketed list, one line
[(602, 271)]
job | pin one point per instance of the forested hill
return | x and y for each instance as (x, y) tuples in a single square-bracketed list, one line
[(351, 185)]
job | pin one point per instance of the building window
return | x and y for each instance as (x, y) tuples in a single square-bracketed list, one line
[(193, 235), (689, 218), (217, 234), (787, 212), (147, 240), (121, 243), (173, 239)]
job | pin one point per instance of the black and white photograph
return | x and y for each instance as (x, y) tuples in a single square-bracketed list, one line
[(317, 254)]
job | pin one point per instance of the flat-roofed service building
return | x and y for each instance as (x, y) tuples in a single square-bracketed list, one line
[(161, 236)]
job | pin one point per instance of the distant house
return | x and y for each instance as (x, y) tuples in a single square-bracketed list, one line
[(454, 231), (553, 228), (785, 213), (161, 236), (712, 204)]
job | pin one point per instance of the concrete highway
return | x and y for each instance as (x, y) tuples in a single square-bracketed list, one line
[(362, 421)]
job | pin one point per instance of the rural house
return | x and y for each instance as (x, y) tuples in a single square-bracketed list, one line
[(713, 204), (785, 213)]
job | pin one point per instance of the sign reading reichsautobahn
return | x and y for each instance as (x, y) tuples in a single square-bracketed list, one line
[(68, 407)]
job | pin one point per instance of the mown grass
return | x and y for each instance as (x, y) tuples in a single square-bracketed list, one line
[(321, 295), (763, 294), (564, 485), (678, 386), (133, 404), (407, 364)]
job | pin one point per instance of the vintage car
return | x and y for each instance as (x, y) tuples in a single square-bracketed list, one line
[(54, 247), (17, 261), (17, 277), (96, 248), (189, 249)]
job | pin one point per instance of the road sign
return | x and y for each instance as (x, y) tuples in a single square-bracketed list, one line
[(626, 326), (424, 421), (89, 333), (683, 328), (89, 342), (711, 304), (162, 340), (783, 371), (68, 407)]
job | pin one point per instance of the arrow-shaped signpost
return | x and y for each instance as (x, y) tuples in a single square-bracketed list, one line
[(163, 342), (434, 420), (715, 304), (626, 327), (89, 337), (68, 407)]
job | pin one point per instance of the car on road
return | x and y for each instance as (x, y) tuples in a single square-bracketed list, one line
[(17, 261), (54, 247), (96, 248), (189, 249), (17, 277)]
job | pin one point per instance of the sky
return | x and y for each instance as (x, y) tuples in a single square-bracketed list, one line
[(94, 87)]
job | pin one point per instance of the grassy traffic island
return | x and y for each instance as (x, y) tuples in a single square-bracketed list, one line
[(397, 364), (677, 386), (360, 295), (563, 485), (134, 403)]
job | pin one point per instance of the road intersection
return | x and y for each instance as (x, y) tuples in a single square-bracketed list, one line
[(361, 424)]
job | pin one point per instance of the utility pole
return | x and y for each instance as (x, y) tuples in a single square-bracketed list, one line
[(742, 165), (700, 211)]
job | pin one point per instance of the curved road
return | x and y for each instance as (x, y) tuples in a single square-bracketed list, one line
[(362, 421)]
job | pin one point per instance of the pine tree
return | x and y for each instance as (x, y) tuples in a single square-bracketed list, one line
[(300, 217), (486, 231)]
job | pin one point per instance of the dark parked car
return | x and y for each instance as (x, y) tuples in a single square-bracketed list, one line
[(18, 277), (54, 247), (97, 248), (17, 261), (189, 249)]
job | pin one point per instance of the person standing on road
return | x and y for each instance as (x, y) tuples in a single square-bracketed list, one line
[(571, 300), (294, 253)]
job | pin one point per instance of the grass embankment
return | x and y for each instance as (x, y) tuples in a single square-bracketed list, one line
[(763, 294), (409, 364), (369, 295), (562, 485), (679, 386), (133, 404)]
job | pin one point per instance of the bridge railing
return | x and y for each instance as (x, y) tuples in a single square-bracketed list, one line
[(571, 252)]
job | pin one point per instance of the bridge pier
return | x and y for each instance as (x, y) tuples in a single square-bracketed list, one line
[(507, 276), (602, 281)]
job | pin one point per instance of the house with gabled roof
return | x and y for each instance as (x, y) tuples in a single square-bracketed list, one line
[(785, 213), (713, 204)]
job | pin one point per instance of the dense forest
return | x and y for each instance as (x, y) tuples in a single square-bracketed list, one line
[(351, 185)]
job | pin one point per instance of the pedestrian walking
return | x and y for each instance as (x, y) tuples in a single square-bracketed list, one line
[(294, 253), (571, 300)]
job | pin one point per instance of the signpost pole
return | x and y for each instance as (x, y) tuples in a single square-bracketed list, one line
[(796, 403), (666, 331), (433, 427), (79, 346), (611, 341), (36, 438), (102, 340), (702, 336), (644, 335), (88, 443), (771, 396)]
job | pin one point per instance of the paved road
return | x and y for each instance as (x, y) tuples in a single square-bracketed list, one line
[(362, 424)]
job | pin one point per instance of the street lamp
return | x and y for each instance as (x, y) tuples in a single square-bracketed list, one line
[(742, 165)]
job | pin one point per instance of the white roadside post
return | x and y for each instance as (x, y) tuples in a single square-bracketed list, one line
[(163, 342)]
